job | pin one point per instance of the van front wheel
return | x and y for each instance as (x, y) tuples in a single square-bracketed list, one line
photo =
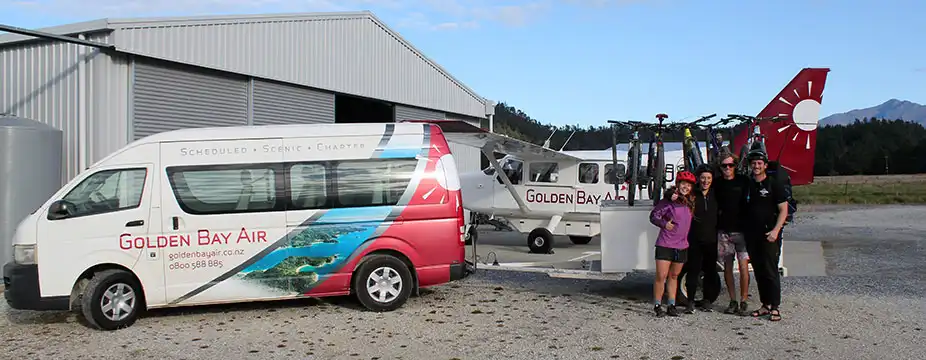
[(111, 300), (382, 283)]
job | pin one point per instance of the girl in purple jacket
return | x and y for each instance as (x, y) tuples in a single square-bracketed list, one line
[(673, 217)]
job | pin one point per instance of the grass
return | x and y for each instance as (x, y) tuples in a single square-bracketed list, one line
[(883, 189)]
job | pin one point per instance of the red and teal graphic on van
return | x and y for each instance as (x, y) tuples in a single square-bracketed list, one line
[(418, 215)]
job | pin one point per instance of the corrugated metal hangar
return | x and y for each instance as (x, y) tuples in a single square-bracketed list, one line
[(170, 73)]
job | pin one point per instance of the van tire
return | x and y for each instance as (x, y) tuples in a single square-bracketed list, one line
[(382, 265), (109, 281)]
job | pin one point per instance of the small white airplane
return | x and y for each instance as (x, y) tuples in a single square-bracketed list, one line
[(546, 192)]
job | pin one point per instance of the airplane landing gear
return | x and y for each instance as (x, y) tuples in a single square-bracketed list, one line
[(471, 236), (540, 241)]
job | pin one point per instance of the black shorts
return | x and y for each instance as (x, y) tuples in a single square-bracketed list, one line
[(670, 254)]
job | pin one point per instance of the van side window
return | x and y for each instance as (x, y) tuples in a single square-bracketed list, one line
[(610, 175), (588, 173), (203, 190), (107, 191), (544, 172), (308, 187), (373, 182)]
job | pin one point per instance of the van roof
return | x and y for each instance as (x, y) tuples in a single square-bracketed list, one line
[(266, 131), (273, 131)]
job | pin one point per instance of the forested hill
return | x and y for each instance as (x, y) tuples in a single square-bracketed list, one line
[(861, 148)]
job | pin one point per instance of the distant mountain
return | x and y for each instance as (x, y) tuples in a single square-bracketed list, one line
[(892, 109)]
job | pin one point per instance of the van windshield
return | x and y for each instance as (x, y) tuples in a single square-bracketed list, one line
[(107, 190)]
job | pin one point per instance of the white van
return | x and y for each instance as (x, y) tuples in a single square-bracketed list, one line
[(233, 214)]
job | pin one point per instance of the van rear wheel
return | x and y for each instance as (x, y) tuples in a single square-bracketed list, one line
[(382, 283), (111, 300)]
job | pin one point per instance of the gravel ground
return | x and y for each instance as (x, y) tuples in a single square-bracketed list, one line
[(871, 307)]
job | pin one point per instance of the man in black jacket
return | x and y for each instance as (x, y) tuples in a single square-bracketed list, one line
[(702, 244)]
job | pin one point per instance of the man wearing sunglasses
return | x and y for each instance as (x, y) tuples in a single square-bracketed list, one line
[(730, 189)]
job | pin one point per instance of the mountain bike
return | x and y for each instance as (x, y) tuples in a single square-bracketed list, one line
[(634, 158), (656, 162), (714, 141), (691, 149), (756, 139)]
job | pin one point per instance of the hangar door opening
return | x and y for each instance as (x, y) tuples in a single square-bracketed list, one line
[(352, 110), (413, 113), (172, 96)]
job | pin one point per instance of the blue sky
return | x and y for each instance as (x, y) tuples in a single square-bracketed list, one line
[(586, 61)]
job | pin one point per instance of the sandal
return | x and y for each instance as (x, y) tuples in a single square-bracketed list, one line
[(774, 315), (762, 311)]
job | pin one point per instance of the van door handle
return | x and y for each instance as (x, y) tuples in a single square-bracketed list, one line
[(176, 222), (135, 223)]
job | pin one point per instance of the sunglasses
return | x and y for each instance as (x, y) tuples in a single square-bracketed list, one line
[(727, 165)]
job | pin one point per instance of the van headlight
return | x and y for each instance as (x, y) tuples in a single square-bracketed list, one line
[(24, 254)]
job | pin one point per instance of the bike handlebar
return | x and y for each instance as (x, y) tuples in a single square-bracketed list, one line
[(692, 124)]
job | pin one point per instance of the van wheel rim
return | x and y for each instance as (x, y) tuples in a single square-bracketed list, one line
[(118, 302), (384, 284)]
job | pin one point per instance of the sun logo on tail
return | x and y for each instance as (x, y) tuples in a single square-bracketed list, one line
[(805, 113)]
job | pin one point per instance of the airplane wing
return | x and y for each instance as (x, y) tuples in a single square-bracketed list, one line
[(465, 133)]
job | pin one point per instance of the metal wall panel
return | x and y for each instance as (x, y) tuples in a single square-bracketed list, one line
[(41, 80), (108, 95), (352, 54), (275, 103), (170, 97), (410, 113)]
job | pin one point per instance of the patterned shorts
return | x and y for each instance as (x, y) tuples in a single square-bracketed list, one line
[(730, 244)]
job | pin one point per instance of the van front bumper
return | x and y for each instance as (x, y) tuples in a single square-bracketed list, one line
[(21, 289)]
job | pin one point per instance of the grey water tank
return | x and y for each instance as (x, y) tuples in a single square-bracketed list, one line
[(30, 172)]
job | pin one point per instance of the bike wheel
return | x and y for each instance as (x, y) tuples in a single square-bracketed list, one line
[(696, 151), (689, 157), (650, 171), (743, 166), (659, 176), (633, 168)]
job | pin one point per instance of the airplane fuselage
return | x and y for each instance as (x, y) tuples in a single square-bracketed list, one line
[(572, 190)]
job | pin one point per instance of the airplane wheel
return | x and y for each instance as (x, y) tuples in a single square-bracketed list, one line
[(471, 236), (681, 292), (540, 241), (580, 240)]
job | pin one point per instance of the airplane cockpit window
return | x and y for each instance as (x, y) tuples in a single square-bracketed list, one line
[(610, 175), (512, 168), (544, 172), (588, 173)]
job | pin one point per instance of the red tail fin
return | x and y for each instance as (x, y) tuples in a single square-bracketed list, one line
[(792, 141)]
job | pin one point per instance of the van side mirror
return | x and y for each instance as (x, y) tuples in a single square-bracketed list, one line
[(60, 209)]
